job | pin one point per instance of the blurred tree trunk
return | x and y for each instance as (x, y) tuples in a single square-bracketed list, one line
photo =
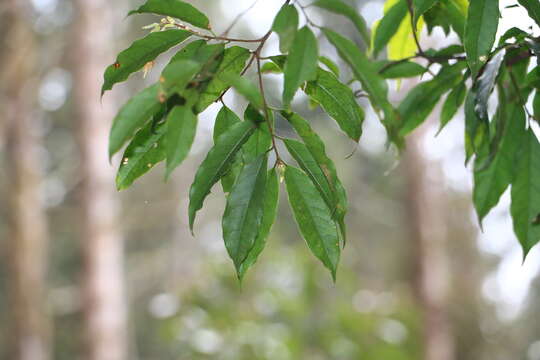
[(104, 304), (426, 211), (26, 244)]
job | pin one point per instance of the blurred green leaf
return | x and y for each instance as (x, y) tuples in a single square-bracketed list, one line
[(286, 26), (330, 64), (421, 100), (399, 69), (451, 105), (420, 7), (389, 25), (134, 114), (261, 140), (177, 75), (245, 88), (341, 8), (139, 54), (176, 9)]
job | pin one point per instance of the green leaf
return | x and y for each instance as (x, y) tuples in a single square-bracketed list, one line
[(317, 149), (245, 88), (338, 101), (399, 69), (181, 128), (366, 72), (476, 130), (341, 8), (490, 182), (177, 75), (134, 114), (451, 105), (233, 62), (198, 51), (330, 64), (536, 106), (176, 9), (286, 25), (420, 7), (244, 211), (216, 164), (261, 140), (533, 8), (457, 15), (225, 119), (389, 25), (485, 84), (271, 68), (480, 31), (142, 154), (525, 207), (314, 218), (139, 53), (421, 100), (301, 63), (271, 197)]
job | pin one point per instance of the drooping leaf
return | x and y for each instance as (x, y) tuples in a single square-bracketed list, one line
[(134, 114), (271, 197), (143, 152), (217, 162), (244, 211), (225, 119), (338, 101), (317, 150), (421, 100), (181, 128), (420, 7), (399, 70), (341, 8), (286, 26), (245, 88), (533, 8), (389, 25), (480, 31), (301, 63), (485, 84), (140, 53), (314, 219), (233, 62), (490, 182), (451, 105), (525, 194), (271, 68), (176, 9), (457, 11)]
